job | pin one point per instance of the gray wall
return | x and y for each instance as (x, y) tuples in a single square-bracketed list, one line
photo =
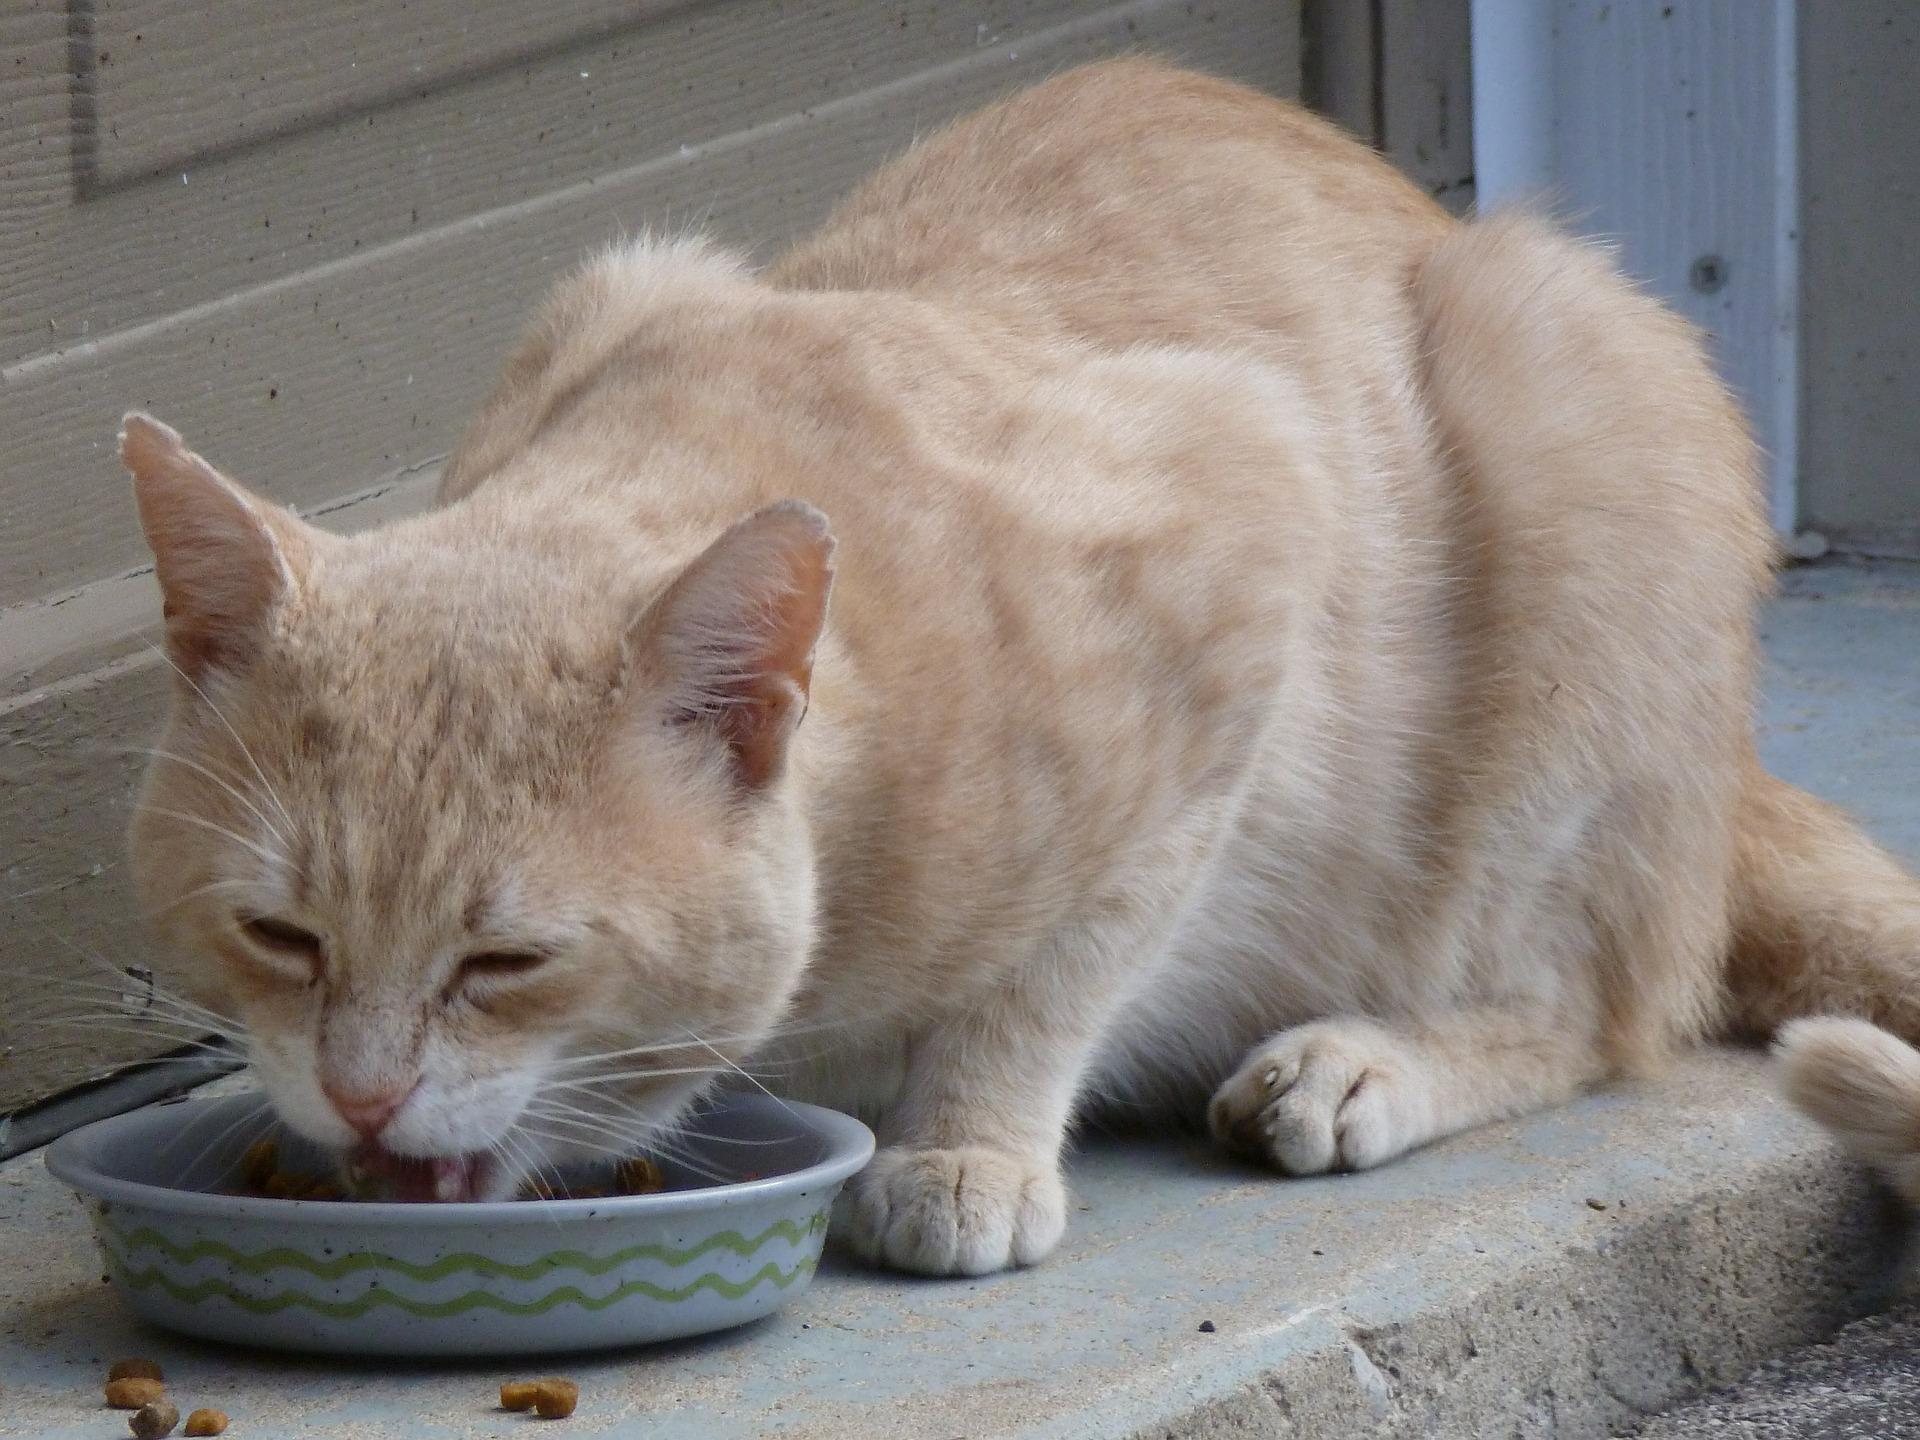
[(1860, 186)]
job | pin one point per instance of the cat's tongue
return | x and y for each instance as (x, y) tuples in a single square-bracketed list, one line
[(417, 1178)]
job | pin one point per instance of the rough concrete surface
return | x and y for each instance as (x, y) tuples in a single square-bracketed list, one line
[(1862, 1385), (1568, 1274)]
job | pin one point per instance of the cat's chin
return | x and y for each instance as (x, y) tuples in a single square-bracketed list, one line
[(422, 1179)]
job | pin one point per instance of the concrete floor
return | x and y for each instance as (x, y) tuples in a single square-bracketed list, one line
[(1569, 1274), (1842, 692)]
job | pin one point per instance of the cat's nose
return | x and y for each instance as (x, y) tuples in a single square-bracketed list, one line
[(368, 1113)]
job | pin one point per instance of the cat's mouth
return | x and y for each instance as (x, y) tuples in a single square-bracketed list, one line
[(420, 1178)]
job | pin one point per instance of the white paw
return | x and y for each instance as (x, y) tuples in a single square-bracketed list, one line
[(1333, 1095), (954, 1212)]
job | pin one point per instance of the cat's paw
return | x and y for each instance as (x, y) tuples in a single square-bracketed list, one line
[(1333, 1095), (954, 1212)]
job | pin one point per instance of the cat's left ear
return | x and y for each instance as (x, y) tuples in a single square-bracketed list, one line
[(733, 637), (224, 558)]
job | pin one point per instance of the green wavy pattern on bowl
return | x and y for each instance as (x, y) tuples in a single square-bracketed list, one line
[(481, 1265), (379, 1296)]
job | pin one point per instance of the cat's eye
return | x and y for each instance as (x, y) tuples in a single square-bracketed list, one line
[(279, 935), (501, 964), (283, 940)]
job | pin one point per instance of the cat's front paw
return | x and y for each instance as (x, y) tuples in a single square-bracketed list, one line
[(1333, 1095), (954, 1212)]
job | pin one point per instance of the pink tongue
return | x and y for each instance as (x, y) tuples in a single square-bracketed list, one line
[(411, 1178)]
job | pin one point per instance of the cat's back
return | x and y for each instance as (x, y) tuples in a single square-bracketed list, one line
[(1132, 202)]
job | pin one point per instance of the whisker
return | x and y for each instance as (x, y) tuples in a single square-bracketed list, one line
[(163, 1027), (215, 1021), (194, 685), (158, 995), (542, 1166), (181, 1049), (685, 1161), (209, 772), (573, 1142), (713, 1139), (610, 1129), (652, 1135), (198, 891), (262, 851), (668, 1144), (52, 885), (156, 992), (627, 1112), (751, 1080), (663, 1046), (191, 1037), (649, 1134), (262, 1113), (517, 1158), (576, 1061), (621, 1077)]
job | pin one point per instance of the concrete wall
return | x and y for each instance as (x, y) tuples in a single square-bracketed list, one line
[(1860, 182)]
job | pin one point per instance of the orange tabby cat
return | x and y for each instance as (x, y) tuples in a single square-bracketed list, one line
[(1141, 605)]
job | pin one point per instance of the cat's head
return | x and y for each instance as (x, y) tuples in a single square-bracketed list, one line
[(439, 814)]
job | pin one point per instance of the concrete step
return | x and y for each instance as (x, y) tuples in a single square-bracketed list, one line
[(1567, 1274)]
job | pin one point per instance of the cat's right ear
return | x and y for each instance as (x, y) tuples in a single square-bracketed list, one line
[(733, 637), (225, 560)]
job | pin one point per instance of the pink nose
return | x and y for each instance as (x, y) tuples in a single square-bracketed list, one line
[(368, 1114)]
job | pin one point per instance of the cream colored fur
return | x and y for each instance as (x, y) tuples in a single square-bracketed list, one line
[(1285, 646), (1863, 1084)]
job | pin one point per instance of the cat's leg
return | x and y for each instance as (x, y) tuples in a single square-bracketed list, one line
[(1350, 1093), (967, 1179)]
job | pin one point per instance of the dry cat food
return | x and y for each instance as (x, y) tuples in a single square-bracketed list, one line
[(639, 1176), (549, 1399), (261, 1175), (518, 1394), (139, 1385), (260, 1170), (130, 1392), (636, 1176)]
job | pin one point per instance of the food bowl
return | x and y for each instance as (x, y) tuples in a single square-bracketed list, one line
[(507, 1277)]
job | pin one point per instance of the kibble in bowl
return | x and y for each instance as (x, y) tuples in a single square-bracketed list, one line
[(264, 1175)]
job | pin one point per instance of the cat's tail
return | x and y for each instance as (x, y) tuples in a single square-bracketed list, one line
[(1827, 924), (1863, 1084)]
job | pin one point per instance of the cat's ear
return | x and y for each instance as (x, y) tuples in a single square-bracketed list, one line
[(224, 559), (733, 637)]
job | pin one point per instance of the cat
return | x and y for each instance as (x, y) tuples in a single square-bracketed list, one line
[(1142, 613)]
